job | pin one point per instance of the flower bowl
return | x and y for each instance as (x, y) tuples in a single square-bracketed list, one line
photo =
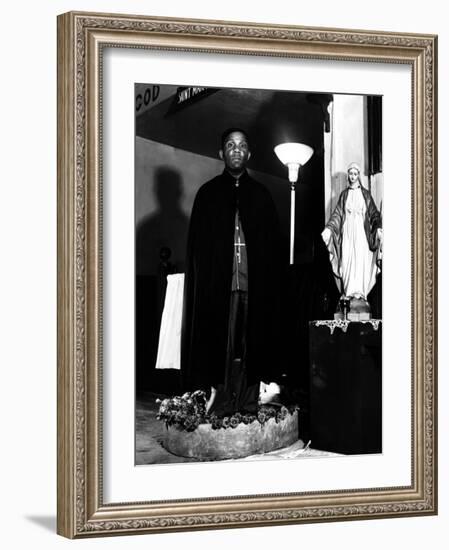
[(208, 443)]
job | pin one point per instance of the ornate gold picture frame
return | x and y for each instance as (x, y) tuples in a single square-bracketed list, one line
[(82, 41)]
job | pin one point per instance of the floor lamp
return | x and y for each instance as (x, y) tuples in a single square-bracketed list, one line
[(293, 155)]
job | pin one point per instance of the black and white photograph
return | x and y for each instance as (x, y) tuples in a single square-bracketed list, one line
[(258, 274)]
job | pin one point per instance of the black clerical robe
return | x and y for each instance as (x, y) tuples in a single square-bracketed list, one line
[(208, 281)]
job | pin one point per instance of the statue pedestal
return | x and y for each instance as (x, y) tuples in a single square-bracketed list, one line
[(359, 310), (206, 443), (361, 316)]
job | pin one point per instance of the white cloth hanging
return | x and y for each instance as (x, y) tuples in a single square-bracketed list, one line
[(169, 349)]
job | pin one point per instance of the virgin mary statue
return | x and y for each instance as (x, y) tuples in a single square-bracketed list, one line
[(353, 236)]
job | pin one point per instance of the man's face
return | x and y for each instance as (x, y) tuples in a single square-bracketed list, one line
[(235, 152)]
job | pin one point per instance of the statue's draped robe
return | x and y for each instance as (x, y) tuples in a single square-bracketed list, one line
[(353, 247), (208, 282)]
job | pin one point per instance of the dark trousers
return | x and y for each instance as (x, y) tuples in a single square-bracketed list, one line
[(235, 394)]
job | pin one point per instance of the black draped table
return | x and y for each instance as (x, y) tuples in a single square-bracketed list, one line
[(346, 386)]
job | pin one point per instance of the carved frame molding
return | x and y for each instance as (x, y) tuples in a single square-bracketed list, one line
[(81, 38)]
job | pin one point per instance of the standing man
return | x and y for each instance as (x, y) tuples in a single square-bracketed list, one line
[(231, 304)]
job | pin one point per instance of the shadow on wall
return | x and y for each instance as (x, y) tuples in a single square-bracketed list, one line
[(167, 227)]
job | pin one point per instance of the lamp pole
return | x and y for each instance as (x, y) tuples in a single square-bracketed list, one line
[(293, 155), (292, 219)]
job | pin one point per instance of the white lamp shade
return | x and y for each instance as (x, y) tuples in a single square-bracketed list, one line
[(293, 153)]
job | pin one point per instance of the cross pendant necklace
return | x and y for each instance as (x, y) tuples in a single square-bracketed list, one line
[(238, 245)]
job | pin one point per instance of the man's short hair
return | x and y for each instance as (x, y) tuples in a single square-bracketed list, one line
[(229, 131)]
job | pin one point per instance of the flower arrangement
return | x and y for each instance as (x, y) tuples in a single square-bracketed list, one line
[(188, 411)]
